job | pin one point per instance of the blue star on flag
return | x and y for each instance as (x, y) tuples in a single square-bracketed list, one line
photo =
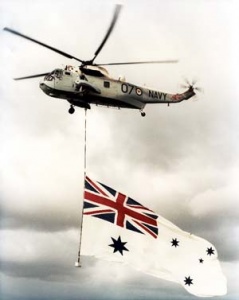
[(118, 245), (188, 280), (175, 243), (210, 251)]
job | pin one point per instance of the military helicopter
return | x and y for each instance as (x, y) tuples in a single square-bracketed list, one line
[(90, 83)]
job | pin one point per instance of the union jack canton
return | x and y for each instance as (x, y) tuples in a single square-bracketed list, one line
[(109, 205)]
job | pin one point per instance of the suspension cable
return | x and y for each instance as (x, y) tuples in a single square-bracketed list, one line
[(77, 264)]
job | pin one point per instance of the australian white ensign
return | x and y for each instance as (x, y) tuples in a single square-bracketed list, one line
[(118, 228)]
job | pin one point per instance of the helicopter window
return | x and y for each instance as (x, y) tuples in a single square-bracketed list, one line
[(93, 72), (58, 73), (106, 84), (49, 77)]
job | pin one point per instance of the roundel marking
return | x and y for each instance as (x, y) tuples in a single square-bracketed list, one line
[(139, 91)]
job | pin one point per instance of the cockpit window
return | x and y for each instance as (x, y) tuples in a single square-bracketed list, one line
[(58, 73), (49, 77)]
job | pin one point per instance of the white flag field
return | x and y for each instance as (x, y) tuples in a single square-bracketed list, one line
[(118, 228)]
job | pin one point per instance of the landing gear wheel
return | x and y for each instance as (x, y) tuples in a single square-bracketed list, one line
[(71, 110), (143, 114)]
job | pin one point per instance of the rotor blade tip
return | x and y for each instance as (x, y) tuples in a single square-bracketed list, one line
[(119, 6)]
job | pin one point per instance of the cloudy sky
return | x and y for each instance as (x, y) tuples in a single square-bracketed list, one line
[(181, 161)]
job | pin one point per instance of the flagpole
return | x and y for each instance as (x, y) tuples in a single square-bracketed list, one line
[(77, 264)]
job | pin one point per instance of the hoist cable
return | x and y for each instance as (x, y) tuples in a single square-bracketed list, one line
[(77, 264)]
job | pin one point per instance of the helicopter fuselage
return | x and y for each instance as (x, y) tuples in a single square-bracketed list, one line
[(93, 85), (90, 83)]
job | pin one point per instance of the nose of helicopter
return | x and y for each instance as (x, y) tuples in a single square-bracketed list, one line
[(47, 87), (42, 85)]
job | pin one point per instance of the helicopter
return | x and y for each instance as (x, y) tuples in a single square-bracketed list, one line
[(90, 83)]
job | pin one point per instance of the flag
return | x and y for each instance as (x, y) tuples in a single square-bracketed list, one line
[(118, 228)]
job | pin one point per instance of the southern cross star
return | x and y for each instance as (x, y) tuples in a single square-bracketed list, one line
[(175, 243), (188, 280), (210, 251)]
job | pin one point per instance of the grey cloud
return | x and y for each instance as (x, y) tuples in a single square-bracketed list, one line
[(86, 283), (51, 220), (177, 135)]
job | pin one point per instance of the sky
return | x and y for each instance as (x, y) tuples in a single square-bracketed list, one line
[(181, 161)]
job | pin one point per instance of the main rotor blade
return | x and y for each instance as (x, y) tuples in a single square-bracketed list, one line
[(40, 43), (32, 76), (115, 17), (140, 62)]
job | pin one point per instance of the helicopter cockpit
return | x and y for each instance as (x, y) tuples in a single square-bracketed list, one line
[(57, 73)]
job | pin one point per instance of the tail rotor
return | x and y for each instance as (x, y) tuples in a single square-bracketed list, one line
[(193, 85)]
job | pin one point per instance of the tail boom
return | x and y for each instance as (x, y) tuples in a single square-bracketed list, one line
[(180, 97), (159, 97)]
